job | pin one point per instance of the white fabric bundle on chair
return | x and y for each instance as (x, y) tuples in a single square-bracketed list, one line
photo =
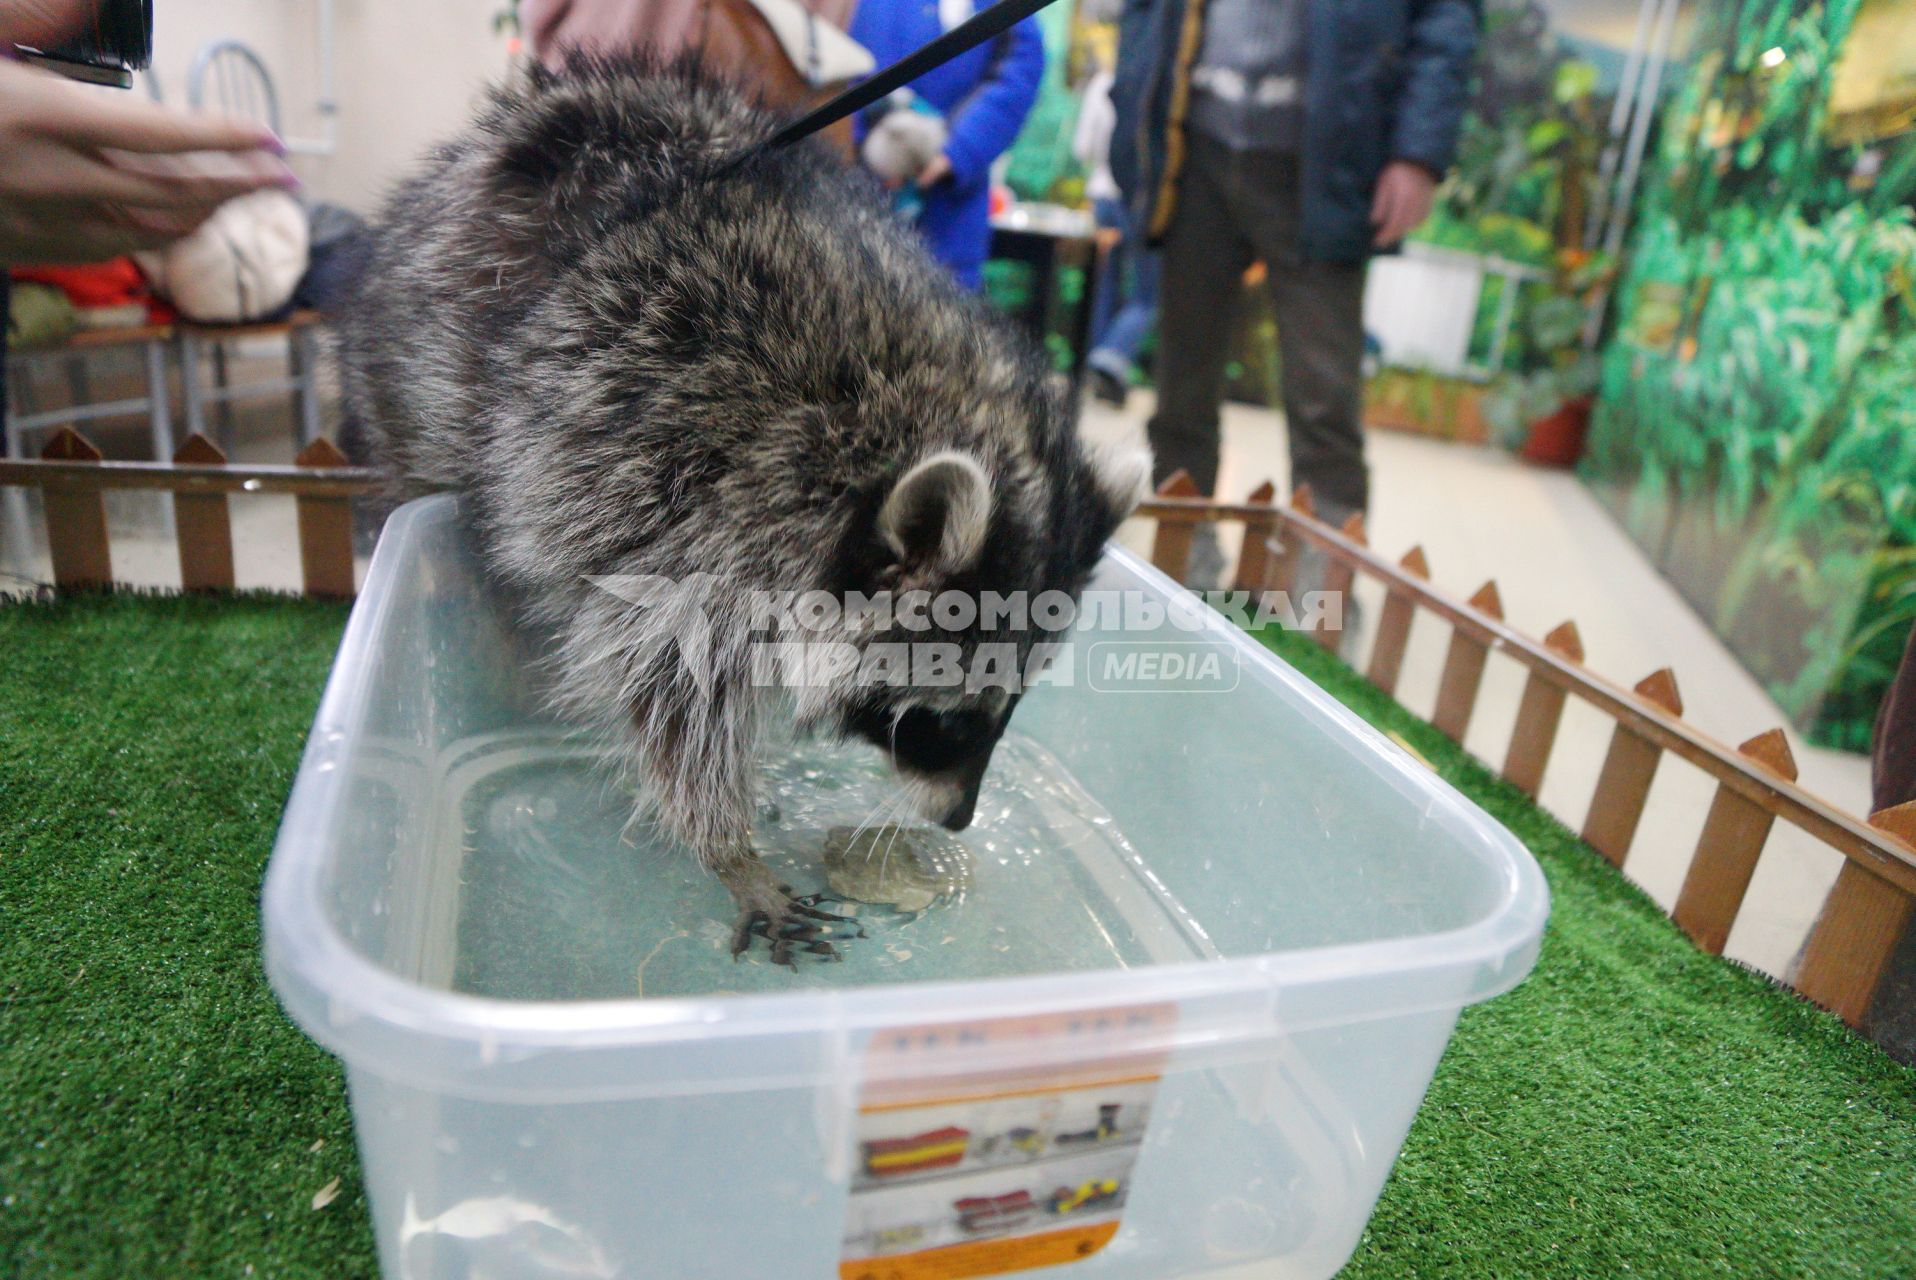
[(242, 264), (823, 54)]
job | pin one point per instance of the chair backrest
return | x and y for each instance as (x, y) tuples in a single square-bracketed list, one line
[(230, 77)]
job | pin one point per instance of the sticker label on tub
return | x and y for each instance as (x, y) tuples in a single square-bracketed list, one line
[(1013, 1166)]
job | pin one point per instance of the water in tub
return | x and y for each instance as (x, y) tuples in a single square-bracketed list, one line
[(537, 886), (560, 895)]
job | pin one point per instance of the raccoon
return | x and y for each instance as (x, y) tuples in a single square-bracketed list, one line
[(639, 358)]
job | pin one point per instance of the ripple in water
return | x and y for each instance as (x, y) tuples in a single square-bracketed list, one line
[(561, 896)]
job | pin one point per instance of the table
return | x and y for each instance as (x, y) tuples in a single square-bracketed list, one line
[(1046, 237)]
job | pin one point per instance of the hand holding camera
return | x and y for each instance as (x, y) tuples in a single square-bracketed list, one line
[(86, 175)]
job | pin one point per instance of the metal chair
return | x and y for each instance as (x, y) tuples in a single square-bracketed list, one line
[(151, 342), (228, 76), (18, 416)]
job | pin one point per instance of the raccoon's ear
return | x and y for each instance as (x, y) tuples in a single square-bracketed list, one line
[(937, 515), (542, 146), (1122, 474)]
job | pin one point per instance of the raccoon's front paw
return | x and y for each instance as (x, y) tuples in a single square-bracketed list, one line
[(791, 924)]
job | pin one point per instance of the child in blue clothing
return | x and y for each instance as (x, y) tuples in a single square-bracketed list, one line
[(984, 96)]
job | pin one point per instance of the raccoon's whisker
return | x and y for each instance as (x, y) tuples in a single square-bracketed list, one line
[(900, 807), (884, 860), (896, 716), (884, 807), (897, 801), (892, 809), (900, 800)]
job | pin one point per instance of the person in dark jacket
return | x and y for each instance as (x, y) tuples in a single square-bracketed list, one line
[(983, 95), (1308, 134)]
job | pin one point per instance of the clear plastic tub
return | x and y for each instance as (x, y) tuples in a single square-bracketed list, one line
[(1214, 943)]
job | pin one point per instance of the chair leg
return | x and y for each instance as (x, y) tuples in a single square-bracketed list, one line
[(160, 420), (303, 358), (190, 385), (9, 381), (20, 388), (159, 412), (14, 408), (79, 384), (229, 424), (19, 534)]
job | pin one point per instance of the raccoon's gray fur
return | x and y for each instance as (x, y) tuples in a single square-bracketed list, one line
[(636, 362)]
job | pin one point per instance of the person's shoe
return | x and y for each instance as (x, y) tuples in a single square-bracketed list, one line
[(1107, 387), (1204, 571)]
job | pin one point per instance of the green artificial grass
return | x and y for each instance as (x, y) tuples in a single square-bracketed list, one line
[(159, 1116), (1635, 1108)]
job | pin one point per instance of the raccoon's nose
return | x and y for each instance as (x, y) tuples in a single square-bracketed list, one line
[(960, 815)]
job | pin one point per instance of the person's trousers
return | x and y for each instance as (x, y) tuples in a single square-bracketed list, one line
[(1234, 208), (1127, 296)]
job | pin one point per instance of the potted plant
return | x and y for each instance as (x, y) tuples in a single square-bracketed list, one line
[(1542, 408)]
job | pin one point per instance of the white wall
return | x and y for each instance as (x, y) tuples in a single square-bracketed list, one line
[(409, 72)]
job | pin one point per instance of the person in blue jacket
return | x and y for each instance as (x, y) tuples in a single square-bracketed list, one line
[(1308, 134), (984, 96)]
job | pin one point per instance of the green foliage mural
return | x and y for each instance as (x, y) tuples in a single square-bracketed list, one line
[(1528, 147), (1526, 160), (1757, 424)]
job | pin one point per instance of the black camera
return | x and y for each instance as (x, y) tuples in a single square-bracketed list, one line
[(117, 43)]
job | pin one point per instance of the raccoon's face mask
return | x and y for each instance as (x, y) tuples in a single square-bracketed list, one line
[(935, 524), (942, 753)]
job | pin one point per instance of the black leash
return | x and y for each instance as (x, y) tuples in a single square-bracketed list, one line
[(986, 24)]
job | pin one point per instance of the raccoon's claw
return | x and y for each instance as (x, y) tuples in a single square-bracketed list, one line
[(749, 923), (793, 926), (789, 935), (808, 906)]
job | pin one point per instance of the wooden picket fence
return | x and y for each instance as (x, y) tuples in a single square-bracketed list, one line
[(1848, 950), (1851, 945), (73, 480)]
